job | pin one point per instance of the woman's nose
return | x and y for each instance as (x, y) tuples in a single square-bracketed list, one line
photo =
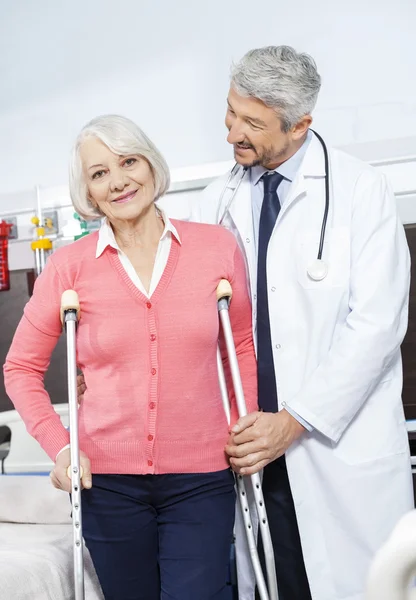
[(118, 181)]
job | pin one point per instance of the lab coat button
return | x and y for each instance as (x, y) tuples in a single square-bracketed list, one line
[(278, 346), (247, 240), (273, 289)]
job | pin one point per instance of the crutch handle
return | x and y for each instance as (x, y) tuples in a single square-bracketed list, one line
[(69, 301), (224, 290)]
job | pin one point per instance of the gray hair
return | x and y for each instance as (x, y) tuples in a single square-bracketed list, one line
[(122, 137), (281, 78)]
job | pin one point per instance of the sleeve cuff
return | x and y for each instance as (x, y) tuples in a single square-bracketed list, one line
[(61, 450), (295, 415)]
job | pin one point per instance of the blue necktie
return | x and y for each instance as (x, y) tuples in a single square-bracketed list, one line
[(267, 393)]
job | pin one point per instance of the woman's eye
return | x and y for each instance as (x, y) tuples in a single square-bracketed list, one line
[(129, 161), (98, 174)]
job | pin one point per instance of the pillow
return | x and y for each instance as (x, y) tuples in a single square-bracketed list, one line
[(32, 499)]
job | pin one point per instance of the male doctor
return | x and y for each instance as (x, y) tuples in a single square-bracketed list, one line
[(331, 433)]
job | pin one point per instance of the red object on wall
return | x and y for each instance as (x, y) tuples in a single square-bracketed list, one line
[(4, 262)]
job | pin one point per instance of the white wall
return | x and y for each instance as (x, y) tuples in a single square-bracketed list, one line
[(165, 64)]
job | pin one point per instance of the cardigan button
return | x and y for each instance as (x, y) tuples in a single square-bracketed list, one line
[(149, 304), (153, 371), (152, 405), (150, 463), (153, 337), (150, 438)]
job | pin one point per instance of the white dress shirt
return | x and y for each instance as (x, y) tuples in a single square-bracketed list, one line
[(288, 170)]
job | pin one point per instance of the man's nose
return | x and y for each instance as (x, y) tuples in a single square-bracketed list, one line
[(235, 134)]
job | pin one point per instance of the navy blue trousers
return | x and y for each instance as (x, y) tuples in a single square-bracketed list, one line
[(161, 537)]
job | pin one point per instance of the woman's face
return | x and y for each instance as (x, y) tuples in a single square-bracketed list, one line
[(122, 187)]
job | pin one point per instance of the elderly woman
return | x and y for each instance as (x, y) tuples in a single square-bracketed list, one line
[(158, 510)]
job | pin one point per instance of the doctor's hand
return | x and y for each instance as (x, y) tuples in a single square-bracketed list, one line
[(81, 387), (59, 474), (260, 438)]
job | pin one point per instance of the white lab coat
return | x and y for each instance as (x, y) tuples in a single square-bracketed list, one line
[(336, 346)]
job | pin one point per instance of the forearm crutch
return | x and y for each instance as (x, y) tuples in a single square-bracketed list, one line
[(269, 592), (69, 316)]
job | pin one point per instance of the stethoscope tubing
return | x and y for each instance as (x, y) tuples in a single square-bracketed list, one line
[(234, 171)]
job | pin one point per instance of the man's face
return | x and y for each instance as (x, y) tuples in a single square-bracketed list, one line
[(255, 131)]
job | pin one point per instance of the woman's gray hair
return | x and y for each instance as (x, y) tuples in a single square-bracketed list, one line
[(122, 136), (281, 78)]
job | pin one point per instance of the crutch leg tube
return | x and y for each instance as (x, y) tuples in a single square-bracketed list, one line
[(269, 592), (242, 495), (70, 313)]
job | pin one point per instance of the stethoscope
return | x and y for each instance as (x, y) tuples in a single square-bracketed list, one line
[(318, 269)]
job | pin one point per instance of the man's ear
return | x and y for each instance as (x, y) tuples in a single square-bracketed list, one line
[(301, 127)]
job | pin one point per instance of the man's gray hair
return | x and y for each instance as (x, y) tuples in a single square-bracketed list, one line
[(281, 78), (122, 137)]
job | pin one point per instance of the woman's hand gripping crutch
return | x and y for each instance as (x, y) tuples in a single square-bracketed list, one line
[(269, 592), (69, 316)]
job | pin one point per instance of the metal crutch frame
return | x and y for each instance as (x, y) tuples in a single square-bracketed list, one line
[(70, 314), (269, 592)]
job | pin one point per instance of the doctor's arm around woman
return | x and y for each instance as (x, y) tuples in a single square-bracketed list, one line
[(158, 514)]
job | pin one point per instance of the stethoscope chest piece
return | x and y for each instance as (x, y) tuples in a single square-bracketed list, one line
[(317, 270)]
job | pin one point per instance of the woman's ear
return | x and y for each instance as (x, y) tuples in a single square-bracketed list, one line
[(91, 201)]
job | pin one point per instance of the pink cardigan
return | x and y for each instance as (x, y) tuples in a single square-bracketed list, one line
[(153, 402)]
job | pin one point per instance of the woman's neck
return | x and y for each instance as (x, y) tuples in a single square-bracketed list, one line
[(143, 232)]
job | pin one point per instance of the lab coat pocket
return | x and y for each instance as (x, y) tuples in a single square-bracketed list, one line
[(377, 431), (336, 254)]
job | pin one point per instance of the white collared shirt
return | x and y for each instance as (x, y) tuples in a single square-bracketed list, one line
[(288, 170), (106, 238)]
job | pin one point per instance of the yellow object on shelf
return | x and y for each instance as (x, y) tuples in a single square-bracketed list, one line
[(41, 244)]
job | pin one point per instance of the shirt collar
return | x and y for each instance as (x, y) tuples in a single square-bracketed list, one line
[(106, 234), (288, 169)]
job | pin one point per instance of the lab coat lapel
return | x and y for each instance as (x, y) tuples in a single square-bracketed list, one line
[(241, 214), (313, 166)]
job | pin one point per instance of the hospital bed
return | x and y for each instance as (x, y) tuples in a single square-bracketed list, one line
[(35, 525), (393, 571)]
